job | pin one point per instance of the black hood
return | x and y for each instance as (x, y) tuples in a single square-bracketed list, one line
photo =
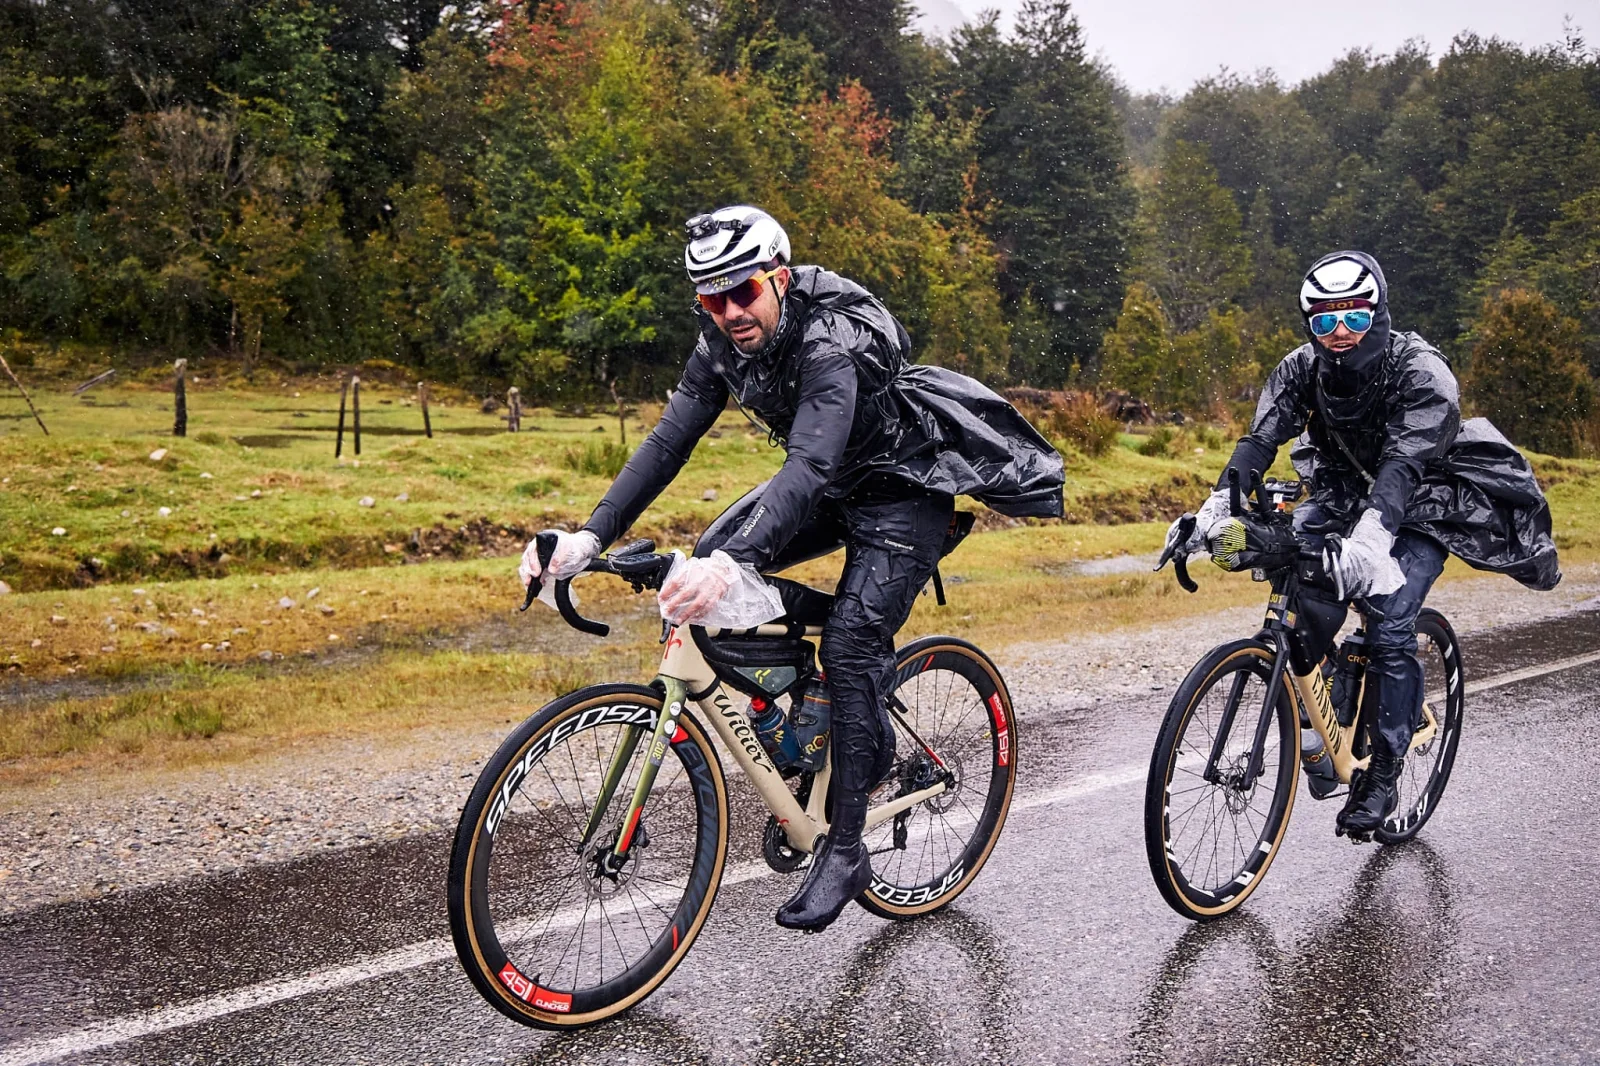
[(1347, 380), (1363, 359)]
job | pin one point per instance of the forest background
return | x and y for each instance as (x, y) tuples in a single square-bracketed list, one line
[(493, 193)]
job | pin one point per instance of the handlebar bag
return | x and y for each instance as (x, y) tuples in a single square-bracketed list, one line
[(1248, 541)]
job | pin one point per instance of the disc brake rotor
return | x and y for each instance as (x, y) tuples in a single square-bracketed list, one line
[(607, 874)]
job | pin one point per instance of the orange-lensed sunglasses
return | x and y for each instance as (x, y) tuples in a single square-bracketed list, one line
[(744, 294)]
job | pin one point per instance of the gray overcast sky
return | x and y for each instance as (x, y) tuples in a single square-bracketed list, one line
[(1171, 44)]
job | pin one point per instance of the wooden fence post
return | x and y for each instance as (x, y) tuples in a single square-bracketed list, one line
[(622, 415), (7, 368), (514, 405), (422, 398), (180, 399), (338, 441), (355, 410), (92, 382)]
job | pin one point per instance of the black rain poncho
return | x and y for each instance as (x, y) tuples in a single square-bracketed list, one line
[(1408, 454), (836, 388)]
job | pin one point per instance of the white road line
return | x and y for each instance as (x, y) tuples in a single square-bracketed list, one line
[(1511, 677), (148, 1023), (1089, 783), (425, 953)]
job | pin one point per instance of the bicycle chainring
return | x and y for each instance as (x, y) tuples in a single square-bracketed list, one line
[(775, 847), (776, 850)]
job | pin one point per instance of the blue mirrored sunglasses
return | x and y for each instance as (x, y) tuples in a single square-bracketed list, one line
[(1356, 320)]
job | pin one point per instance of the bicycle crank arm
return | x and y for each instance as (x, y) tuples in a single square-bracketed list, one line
[(608, 788), (666, 729)]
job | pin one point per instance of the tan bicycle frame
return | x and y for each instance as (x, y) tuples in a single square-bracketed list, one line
[(1310, 693), (681, 660)]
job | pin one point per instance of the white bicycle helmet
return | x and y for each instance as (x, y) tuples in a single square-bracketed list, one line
[(1339, 278), (729, 244)]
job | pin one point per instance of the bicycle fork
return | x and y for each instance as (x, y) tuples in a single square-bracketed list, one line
[(666, 732), (1254, 767)]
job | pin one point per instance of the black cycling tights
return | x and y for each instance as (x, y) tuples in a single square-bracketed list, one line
[(891, 538)]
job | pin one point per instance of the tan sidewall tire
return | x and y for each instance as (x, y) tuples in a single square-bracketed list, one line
[(465, 921), (1199, 682), (933, 646)]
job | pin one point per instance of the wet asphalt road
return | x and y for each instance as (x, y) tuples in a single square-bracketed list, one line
[(1474, 944)]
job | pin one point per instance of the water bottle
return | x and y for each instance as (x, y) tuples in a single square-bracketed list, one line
[(810, 723), (1320, 778), (772, 729), (1347, 671)]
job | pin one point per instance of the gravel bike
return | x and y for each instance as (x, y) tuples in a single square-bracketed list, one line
[(1222, 783), (592, 846)]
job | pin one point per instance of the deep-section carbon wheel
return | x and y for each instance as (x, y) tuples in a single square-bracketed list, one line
[(1210, 842), (1426, 770), (953, 722), (549, 932)]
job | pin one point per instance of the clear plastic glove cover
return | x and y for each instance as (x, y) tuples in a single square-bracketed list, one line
[(1364, 566), (574, 551), (1214, 510), (717, 592)]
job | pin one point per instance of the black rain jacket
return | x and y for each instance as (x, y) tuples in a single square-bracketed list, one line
[(1409, 455), (836, 388)]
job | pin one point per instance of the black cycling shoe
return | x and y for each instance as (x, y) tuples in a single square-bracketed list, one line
[(837, 876), (1373, 797)]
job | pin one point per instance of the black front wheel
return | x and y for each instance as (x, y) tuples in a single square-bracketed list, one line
[(1210, 839), (552, 933)]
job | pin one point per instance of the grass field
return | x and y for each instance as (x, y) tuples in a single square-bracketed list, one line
[(246, 590)]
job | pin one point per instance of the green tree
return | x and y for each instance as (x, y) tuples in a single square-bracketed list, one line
[(1193, 251), (1208, 362), (1053, 179), (178, 180), (1564, 268), (260, 246), (1259, 136), (869, 42), (1527, 372), (1137, 352), (938, 279)]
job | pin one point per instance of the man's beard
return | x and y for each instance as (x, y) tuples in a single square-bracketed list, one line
[(751, 347)]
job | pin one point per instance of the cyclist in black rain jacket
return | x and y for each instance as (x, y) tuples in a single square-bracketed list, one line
[(1380, 440), (877, 449)]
